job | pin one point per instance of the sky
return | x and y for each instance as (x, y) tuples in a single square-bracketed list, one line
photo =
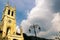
[(22, 7), (45, 13)]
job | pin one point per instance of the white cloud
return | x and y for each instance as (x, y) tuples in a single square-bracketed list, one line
[(43, 15), (56, 22)]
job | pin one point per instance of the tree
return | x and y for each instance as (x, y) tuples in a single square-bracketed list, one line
[(35, 27)]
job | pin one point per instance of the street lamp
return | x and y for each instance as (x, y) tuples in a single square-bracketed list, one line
[(35, 27)]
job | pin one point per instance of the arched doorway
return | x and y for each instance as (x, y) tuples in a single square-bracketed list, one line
[(8, 31)]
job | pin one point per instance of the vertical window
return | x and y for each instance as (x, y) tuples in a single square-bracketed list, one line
[(8, 12), (12, 13)]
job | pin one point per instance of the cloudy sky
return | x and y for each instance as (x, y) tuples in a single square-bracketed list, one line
[(45, 13)]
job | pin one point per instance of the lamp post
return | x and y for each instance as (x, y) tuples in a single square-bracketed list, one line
[(35, 27)]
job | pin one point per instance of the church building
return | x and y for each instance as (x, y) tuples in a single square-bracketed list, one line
[(8, 25)]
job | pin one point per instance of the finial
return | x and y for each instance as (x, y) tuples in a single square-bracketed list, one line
[(15, 7), (7, 3), (21, 29)]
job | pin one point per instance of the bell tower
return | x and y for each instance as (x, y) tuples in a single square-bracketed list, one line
[(9, 20)]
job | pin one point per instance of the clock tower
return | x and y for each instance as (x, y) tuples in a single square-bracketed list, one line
[(9, 21)]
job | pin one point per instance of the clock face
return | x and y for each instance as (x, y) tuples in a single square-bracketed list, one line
[(9, 21)]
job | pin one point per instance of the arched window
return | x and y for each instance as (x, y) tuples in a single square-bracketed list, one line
[(8, 12), (12, 13)]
